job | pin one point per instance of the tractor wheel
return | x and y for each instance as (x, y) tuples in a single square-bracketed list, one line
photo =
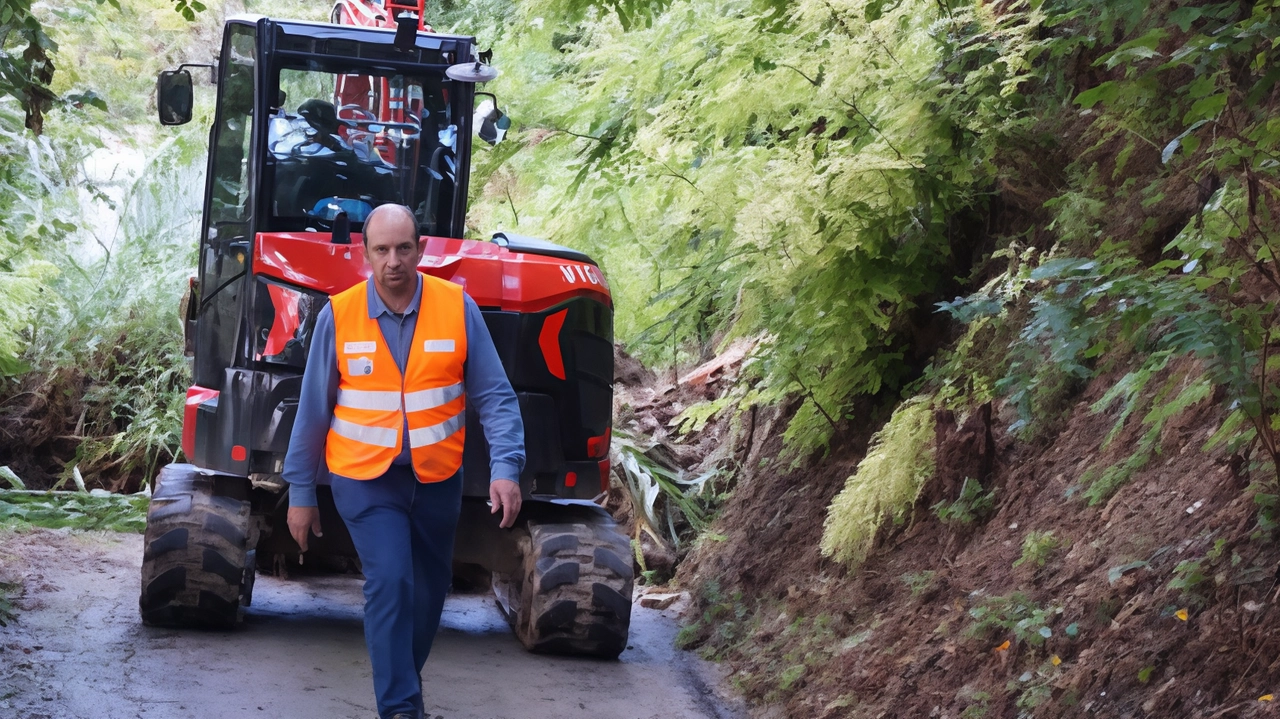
[(573, 595), (198, 556)]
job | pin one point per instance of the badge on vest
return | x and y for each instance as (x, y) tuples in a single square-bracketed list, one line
[(351, 348), (437, 346), (360, 366)]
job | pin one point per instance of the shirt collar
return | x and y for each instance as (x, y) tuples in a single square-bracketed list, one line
[(377, 307)]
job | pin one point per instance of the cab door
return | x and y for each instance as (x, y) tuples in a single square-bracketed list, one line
[(225, 244)]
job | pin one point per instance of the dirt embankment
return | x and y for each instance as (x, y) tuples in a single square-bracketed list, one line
[(1158, 602)]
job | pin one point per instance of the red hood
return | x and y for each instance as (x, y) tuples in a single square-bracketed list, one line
[(493, 275)]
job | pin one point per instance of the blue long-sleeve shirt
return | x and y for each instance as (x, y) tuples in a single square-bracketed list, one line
[(484, 381)]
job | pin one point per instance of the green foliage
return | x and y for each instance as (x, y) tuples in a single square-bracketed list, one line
[(98, 510), (1188, 577), (1034, 687), (1014, 614), (93, 259), (1037, 547), (978, 707), (1113, 305), (721, 620), (1195, 579), (667, 505), (11, 478), (755, 169), (885, 485), (695, 417), (1100, 485), (109, 55), (919, 582), (972, 505), (26, 63), (1115, 573), (1194, 86)]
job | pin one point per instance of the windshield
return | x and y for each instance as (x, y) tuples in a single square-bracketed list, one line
[(339, 142)]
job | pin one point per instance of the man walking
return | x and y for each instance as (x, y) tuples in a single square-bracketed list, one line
[(393, 362)]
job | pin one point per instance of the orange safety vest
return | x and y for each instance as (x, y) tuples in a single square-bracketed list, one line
[(374, 400)]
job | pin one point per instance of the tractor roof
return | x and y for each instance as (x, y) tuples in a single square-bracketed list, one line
[(318, 37)]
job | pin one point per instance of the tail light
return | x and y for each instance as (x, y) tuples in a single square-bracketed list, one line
[(598, 447)]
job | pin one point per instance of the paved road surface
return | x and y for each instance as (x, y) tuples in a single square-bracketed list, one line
[(79, 650)]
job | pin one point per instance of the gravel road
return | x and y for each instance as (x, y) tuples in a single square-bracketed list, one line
[(78, 650)]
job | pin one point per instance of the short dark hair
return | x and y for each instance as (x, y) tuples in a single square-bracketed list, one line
[(417, 231)]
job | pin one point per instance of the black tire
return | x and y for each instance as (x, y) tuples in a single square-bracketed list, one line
[(198, 556), (573, 595)]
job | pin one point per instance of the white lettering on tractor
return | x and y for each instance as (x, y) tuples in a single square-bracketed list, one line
[(585, 273)]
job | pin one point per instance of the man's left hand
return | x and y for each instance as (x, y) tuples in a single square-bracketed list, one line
[(504, 495)]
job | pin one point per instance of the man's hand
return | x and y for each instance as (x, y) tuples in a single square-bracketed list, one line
[(504, 494), (302, 520)]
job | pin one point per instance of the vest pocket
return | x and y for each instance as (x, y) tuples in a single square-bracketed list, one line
[(359, 366)]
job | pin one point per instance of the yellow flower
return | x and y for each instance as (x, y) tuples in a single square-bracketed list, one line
[(1181, 614), (1054, 660)]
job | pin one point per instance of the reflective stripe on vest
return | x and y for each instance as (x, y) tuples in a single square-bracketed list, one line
[(375, 401), (377, 436)]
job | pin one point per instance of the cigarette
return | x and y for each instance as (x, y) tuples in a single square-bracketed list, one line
[(301, 556)]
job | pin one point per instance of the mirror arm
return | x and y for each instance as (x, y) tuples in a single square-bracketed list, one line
[(213, 69)]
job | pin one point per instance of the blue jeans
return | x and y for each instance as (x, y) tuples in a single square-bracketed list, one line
[(403, 531)]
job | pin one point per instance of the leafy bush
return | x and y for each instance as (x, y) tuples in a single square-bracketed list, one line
[(1037, 547), (972, 504), (1015, 613), (886, 484)]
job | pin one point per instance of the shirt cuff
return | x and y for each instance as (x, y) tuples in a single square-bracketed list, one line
[(504, 470), (302, 495)]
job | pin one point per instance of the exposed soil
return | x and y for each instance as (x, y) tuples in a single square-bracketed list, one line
[(52, 421), (78, 649), (899, 637)]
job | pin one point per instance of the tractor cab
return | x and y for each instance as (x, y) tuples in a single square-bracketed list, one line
[(316, 125)]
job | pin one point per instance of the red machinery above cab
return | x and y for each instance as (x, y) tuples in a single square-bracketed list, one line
[(378, 13)]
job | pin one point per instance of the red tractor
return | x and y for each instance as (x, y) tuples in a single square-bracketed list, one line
[(317, 124)]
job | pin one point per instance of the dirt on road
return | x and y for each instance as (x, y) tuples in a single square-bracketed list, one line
[(77, 649)]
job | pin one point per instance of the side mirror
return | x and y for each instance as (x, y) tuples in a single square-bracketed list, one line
[(174, 97), (490, 123)]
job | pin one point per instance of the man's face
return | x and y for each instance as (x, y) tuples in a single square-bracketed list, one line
[(393, 252)]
